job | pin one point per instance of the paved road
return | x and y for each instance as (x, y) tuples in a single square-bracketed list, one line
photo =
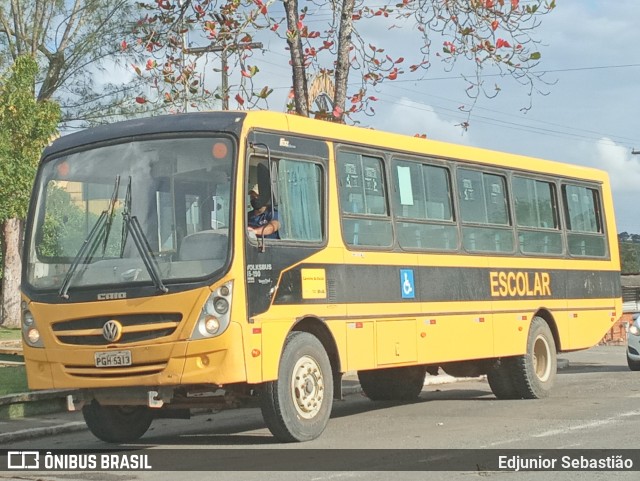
[(595, 405)]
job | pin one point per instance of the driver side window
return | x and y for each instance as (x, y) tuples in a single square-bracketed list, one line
[(297, 197)]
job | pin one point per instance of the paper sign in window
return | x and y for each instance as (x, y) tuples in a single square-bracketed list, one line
[(404, 184)]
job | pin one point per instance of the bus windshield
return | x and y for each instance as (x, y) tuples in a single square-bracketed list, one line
[(148, 211)]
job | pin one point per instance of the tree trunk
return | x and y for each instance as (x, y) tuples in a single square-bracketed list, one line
[(300, 92), (343, 63), (12, 274)]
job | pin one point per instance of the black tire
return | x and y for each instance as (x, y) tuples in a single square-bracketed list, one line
[(534, 374), (393, 384), (633, 365), (117, 424), (499, 377), (297, 406)]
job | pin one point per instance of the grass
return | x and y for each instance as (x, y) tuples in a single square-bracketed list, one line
[(9, 334), (13, 379)]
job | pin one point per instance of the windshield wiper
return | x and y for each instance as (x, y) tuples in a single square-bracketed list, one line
[(99, 232), (130, 225), (110, 214)]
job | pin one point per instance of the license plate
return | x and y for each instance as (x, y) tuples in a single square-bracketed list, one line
[(113, 358)]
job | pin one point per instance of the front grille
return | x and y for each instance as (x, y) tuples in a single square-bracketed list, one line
[(135, 328), (115, 372)]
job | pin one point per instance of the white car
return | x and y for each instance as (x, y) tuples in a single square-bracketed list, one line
[(633, 344)]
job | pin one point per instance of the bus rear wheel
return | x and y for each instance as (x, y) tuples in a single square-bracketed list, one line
[(534, 374), (117, 424), (499, 377), (393, 384), (297, 406)]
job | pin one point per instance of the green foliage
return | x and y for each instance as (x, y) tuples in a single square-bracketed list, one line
[(629, 254), (67, 224), (26, 126), (13, 380), (10, 334), (77, 45), (64, 224)]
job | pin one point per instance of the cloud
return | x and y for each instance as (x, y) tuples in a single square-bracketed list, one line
[(623, 167), (624, 173), (578, 29), (404, 116)]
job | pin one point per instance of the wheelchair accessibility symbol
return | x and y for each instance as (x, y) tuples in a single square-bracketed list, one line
[(407, 286)]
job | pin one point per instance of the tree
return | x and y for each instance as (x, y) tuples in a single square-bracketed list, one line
[(74, 41), (486, 34), (26, 126), (629, 257)]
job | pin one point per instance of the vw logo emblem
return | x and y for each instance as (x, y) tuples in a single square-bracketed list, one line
[(112, 330)]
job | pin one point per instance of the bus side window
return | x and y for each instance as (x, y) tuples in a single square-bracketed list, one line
[(363, 201), (483, 208), (300, 200), (423, 207), (584, 221), (537, 216)]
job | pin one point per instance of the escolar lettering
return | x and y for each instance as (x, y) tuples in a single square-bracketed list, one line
[(519, 284)]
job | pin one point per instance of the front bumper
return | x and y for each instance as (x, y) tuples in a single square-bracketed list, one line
[(216, 361)]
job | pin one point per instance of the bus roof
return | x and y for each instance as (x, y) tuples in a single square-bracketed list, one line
[(268, 121), (415, 145)]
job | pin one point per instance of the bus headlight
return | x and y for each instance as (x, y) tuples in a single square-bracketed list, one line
[(221, 305), (33, 335), (634, 330), (30, 332), (215, 316), (212, 325)]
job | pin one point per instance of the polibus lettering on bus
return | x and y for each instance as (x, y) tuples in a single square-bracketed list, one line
[(511, 284)]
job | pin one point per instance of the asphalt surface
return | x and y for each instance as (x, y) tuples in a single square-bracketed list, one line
[(24, 427)]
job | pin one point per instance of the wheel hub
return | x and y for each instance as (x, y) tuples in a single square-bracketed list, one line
[(542, 359), (307, 387)]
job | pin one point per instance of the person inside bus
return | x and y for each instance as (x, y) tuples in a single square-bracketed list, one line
[(263, 219)]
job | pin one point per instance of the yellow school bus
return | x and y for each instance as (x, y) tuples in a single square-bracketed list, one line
[(208, 259)]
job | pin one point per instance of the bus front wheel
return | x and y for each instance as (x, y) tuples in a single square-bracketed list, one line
[(117, 424), (393, 384), (296, 407), (534, 373)]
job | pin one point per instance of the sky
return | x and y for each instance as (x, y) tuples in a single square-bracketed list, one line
[(587, 116)]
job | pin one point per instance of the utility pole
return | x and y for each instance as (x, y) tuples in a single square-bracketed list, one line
[(224, 51)]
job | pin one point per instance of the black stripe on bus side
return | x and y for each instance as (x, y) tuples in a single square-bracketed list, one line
[(371, 283)]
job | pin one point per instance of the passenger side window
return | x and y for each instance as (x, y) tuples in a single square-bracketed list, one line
[(537, 216), (584, 221), (423, 207), (483, 202), (365, 216)]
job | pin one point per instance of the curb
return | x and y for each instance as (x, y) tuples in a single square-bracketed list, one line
[(33, 433), (31, 396), (24, 405)]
